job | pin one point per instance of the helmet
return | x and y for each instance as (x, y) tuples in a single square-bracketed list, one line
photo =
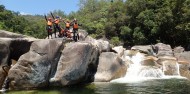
[(57, 16)]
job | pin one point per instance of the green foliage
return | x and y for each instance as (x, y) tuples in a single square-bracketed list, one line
[(115, 41), (138, 36), (128, 21)]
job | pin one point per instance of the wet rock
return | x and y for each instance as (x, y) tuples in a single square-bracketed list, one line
[(110, 67), (169, 65)]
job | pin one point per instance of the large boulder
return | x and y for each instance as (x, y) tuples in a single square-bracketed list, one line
[(36, 67), (178, 49), (184, 63), (164, 50), (183, 56), (4, 58), (184, 69), (7, 34), (119, 50), (77, 64), (102, 45), (169, 65), (110, 67), (142, 48), (4, 51), (82, 34)]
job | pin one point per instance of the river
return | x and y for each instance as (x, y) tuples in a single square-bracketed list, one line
[(154, 86)]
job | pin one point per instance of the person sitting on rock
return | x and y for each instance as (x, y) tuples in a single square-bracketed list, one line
[(67, 27)]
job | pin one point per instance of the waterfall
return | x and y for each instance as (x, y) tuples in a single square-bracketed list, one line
[(139, 72), (178, 72), (143, 68)]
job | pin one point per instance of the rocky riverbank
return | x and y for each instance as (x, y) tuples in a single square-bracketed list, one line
[(57, 62)]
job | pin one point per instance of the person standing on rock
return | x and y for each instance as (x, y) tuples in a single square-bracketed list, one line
[(75, 25), (49, 27), (57, 25)]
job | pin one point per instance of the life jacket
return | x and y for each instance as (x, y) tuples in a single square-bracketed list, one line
[(56, 21), (49, 23), (67, 24), (75, 26)]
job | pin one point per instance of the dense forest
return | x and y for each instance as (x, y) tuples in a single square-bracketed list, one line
[(122, 22)]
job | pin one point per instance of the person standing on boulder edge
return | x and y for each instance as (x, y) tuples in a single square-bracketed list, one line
[(57, 25), (49, 27), (75, 25)]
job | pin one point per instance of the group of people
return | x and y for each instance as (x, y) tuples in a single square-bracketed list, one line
[(53, 25)]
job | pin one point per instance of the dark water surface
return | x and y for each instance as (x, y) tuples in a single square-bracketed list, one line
[(159, 86)]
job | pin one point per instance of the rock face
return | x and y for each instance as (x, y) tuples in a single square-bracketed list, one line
[(110, 67), (82, 34), (164, 50), (34, 68), (102, 45), (184, 69), (55, 62), (76, 64), (119, 49), (4, 51), (170, 65), (4, 58), (11, 48), (184, 63)]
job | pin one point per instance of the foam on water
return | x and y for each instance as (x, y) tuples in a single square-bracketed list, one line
[(138, 73)]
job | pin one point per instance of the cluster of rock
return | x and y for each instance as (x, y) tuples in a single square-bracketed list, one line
[(57, 62)]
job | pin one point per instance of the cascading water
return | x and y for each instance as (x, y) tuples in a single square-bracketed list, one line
[(138, 71)]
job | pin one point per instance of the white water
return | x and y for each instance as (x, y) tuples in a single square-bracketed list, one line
[(137, 73), (178, 72)]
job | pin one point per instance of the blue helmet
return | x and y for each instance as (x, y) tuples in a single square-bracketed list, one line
[(57, 16)]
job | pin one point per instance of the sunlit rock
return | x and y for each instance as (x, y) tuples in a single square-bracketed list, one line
[(102, 45), (119, 50), (169, 65), (184, 67), (34, 69), (149, 61), (164, 50), (77, 64), (110, 67)]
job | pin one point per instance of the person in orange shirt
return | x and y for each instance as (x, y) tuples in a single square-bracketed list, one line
[(49, 27), (67, 28), (75, 25), (57, 25)]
